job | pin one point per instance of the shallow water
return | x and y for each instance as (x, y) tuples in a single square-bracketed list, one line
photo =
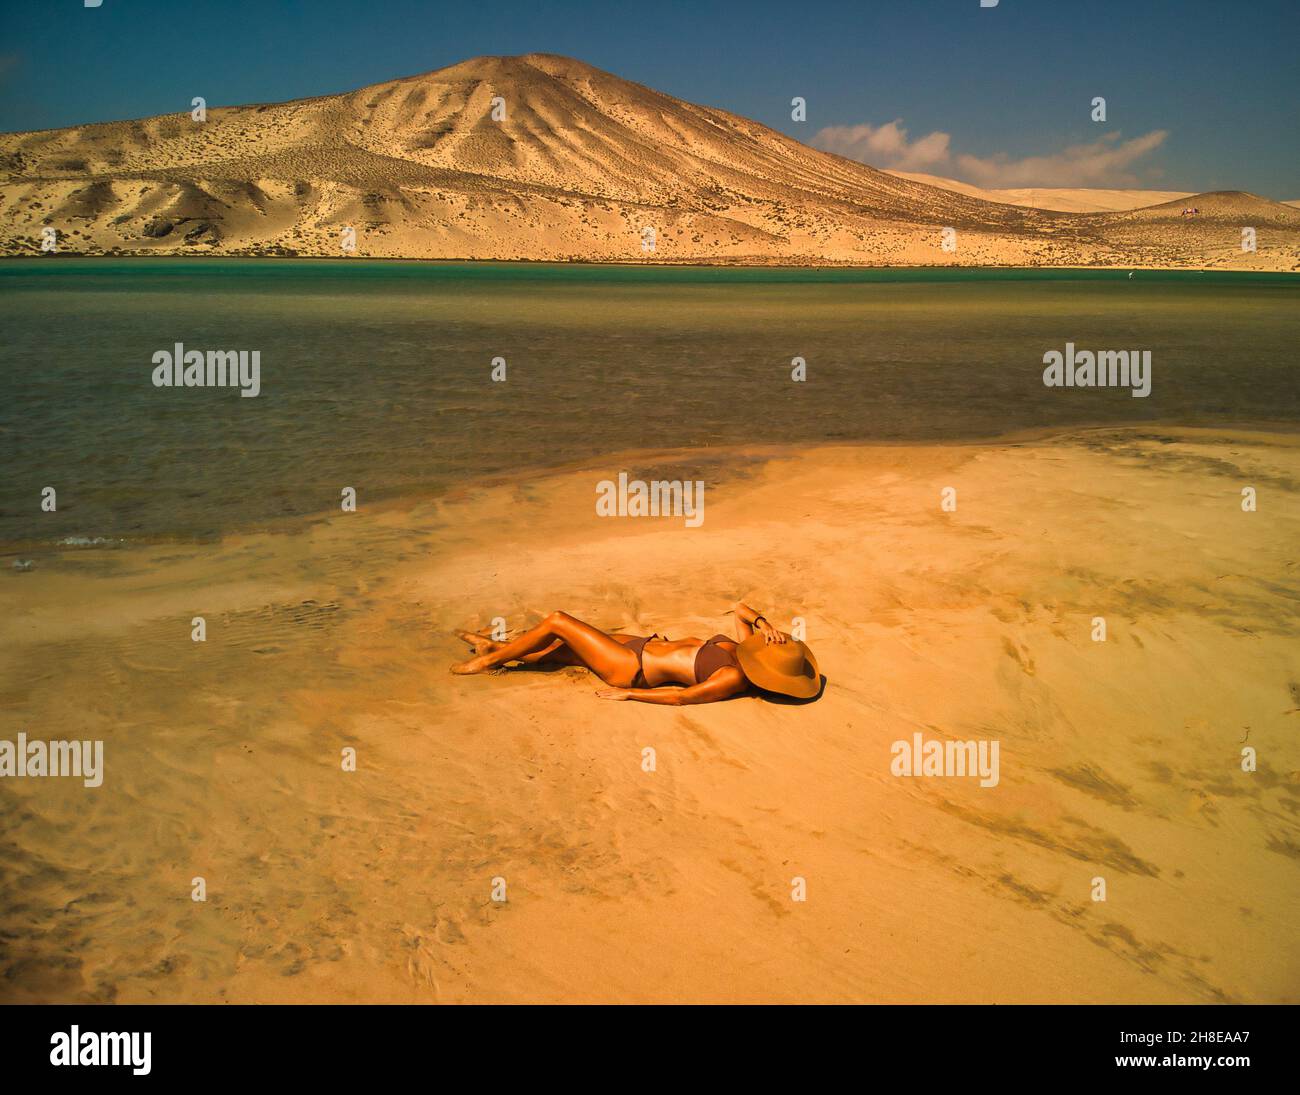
[(376, 375)]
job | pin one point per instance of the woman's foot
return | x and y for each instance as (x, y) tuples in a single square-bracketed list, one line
[(481, 643), (474, 665)]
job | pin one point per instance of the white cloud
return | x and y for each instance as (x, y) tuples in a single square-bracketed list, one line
[(1105, 162), (884, 146)]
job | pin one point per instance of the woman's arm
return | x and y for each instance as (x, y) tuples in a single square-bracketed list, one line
[(748, 621), (745, 617), (724, 684)]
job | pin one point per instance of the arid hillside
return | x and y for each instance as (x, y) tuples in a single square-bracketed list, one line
[(1056, 198), (546, 158)]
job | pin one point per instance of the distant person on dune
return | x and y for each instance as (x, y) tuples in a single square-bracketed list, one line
[(708, 670)]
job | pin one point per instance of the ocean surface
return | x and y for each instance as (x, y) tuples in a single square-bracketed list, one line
[(377, 375)]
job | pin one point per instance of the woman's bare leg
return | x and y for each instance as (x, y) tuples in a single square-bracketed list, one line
[(481, 643), (558, 653), (555, 654), (603, 654)]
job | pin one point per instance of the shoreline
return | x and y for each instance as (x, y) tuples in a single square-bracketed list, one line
[(693, 264), (729, 456)]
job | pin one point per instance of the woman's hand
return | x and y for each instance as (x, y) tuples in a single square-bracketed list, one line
[(749, 622), (614, 693)]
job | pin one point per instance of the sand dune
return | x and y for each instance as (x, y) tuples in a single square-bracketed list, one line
[(581, 166), (1119, 759), (1059, 199)]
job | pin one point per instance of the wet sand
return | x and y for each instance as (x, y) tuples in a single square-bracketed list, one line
[(1119, 760)]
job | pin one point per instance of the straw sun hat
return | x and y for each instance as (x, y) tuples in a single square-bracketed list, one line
[(788, 668)]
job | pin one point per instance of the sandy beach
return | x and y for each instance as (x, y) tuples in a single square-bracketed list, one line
[(1120, 760)]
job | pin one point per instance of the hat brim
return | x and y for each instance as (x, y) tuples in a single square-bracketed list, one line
[(804, 686)]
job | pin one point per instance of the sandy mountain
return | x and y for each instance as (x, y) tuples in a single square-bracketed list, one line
[(583, 165), (1058, 199)]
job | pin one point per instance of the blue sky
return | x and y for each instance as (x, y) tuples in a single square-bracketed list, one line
[(1200, 95)]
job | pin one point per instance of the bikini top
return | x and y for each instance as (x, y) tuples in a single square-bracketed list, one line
[(711, 657)]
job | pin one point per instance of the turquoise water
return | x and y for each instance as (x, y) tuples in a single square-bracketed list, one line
[(376, 375)]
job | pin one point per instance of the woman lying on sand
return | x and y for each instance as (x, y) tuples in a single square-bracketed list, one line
[(708, 669)]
